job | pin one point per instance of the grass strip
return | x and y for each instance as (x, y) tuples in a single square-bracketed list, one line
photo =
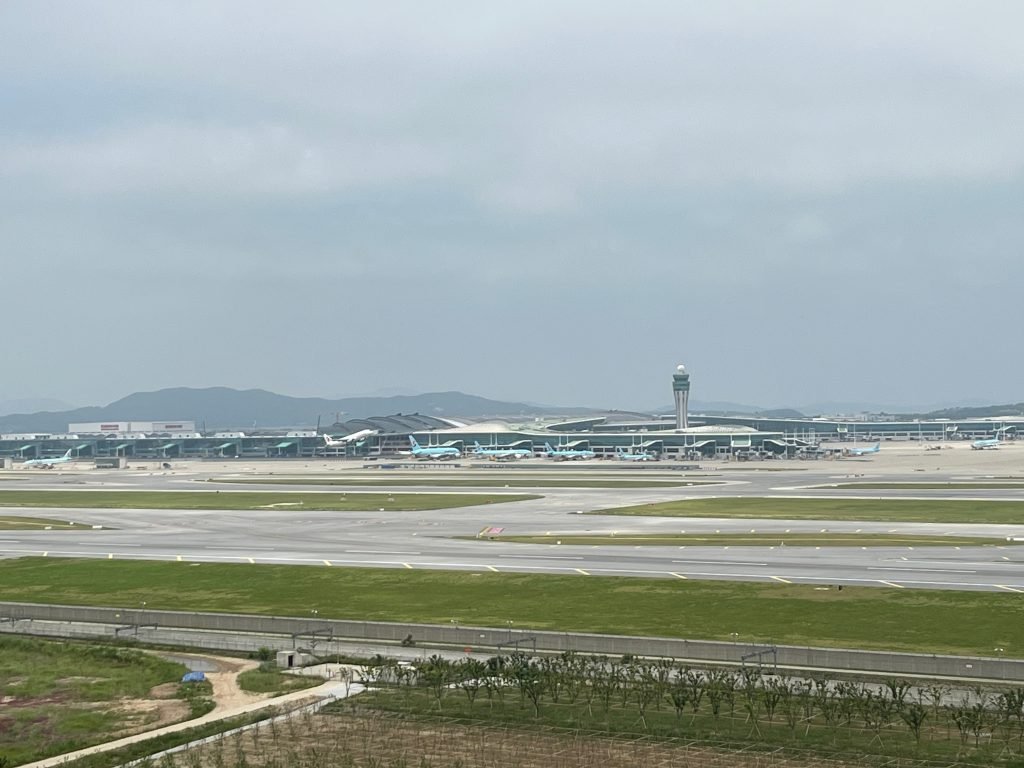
[(269, 679), (761, 540), (15, 523), (242, 500), (457, 482), (939, 621), (868, 510)]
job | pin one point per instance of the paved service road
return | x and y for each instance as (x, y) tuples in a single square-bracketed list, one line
[(416, 540)]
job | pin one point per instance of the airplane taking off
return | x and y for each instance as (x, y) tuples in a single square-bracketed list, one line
[(343, 441), (49, 463), (501, 453), (984, 445), (622, 455), (864, 451), (433, 451), (564, 454)]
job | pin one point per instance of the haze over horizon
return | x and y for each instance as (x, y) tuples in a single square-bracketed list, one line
[(553, 203)]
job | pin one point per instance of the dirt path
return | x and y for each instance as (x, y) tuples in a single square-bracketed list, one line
[(227, 695)]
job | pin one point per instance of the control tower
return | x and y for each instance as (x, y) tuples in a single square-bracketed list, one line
[(681, 391)]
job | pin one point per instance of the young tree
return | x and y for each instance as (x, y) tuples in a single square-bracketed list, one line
[(914, 715), (471, 674), (436, 674)]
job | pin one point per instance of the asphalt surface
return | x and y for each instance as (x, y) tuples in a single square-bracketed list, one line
[(418, 540)]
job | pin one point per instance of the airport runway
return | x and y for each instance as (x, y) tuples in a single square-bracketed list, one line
[(428, 540)]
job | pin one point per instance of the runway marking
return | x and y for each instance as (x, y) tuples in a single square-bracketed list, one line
[(547, 557), (251, 561), (45, 554), (327, 562), (1005, 557), (718, 562), (407, 566), (917, 570), (493, 569), (580, 570), (110, 556), (890, 584), (376, 552), (677, 575), (179, 558), (1009, 589), (784, 581)]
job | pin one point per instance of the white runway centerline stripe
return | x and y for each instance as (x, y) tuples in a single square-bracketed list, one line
[(546, 557), (917, 570), (719, 562), (376, 552)]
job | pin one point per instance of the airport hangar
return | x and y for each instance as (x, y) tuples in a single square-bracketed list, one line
[(676, 436)]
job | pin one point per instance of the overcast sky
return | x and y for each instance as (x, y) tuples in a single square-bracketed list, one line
[(545, 201)]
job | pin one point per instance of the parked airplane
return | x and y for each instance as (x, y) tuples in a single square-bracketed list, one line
[(984, 445), (49, 463), (623, 455), (564, 454), (433, 451), (864, 451), (341, 442), (501, 453)]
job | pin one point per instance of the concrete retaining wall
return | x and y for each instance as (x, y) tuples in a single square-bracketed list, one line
[(312, 631)]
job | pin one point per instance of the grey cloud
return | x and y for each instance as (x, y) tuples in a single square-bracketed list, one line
[(552, 202)]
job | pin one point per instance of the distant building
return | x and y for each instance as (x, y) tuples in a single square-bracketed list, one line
[(137, 427)]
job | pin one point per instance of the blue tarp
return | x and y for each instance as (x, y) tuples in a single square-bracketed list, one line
[(193, 677)]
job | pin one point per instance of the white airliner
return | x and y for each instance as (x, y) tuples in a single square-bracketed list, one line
[(622, 455), (864, 451), (502, 453), (341, 442), (49, 463), (984, 445)]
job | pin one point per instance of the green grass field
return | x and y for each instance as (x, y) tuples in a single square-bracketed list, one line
[(15, 523), (760, 540), (868, 510), (268, 679), (941, 621), (341, 502), (58, 697), (466, 482)]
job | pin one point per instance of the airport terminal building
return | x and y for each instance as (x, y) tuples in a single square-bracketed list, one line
[(678, 436)]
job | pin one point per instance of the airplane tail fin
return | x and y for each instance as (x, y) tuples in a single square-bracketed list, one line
[(412, 441), (68, 454), (548, 448)]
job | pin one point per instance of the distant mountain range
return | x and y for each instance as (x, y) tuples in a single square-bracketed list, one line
[(33, 405), (222, 407)]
